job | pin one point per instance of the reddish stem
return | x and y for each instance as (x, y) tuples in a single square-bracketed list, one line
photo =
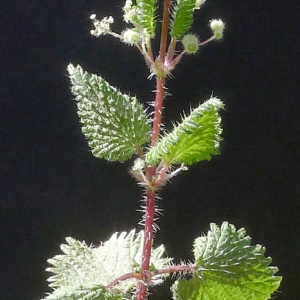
[(160, 83), (164, 30), (188, 268), (123, 277), (142, 287), (147, 244)]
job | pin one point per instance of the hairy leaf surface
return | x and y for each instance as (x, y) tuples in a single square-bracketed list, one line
[(146, 16), (228, 268), (195, 139), (84, 270), (92, 293), (182, 17), (114, 124)]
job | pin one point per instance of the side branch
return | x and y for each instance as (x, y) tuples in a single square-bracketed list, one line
[(188, 268), (122, 278)]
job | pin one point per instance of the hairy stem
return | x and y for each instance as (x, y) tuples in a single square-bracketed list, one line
[(171, 50), (147, 243), (142, 287), (150, 197), (164, 30), (159, 98), (151, 194), (122, 278), (177, 269)]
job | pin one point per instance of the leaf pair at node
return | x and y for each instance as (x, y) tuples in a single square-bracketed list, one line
[(116, 125), (226, 267)]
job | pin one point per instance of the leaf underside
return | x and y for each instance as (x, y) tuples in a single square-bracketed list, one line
[(197, 138), (228, 268), (82, 272), (114, 124)]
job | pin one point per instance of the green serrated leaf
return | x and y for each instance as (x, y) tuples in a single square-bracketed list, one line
[(146, 16), (228, 268), (195, 139), (182, 17), (83, 270), (114, 124)]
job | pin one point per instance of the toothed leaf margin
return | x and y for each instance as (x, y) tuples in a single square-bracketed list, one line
[(84, 270), (146, 16), (197, 138), (114, 124), (228, 268), (182, 17)]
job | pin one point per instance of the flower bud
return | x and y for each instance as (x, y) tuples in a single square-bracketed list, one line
[(101, 27), (217, 27), (199, 3), (190, 43), (139, 164), (130, 11), (131, 37), (93, 16)]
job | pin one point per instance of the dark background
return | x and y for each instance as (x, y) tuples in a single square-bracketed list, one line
[(52, 186)]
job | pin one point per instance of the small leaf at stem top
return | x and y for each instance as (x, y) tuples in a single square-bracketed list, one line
[(146, 16), (182, 17)]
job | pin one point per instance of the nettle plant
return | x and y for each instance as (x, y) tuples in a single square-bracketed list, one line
[(117, 126)]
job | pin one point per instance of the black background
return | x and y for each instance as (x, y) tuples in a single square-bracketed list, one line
[(52, 186)]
